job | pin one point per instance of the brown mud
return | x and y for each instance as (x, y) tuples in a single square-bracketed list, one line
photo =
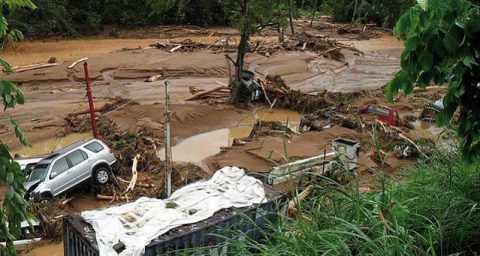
[(349, 80)]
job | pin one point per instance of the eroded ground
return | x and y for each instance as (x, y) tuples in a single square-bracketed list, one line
[(203, 131)]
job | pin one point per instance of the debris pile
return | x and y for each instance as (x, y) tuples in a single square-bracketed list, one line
[(188, 45), (353, 30), (281, 96), (305, 41), (271, 128)]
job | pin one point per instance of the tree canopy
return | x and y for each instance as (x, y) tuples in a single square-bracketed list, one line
[(442, 47)]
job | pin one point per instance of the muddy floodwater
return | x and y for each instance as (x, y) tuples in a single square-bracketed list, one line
[(49, 146), (197, 148), (427, 129)]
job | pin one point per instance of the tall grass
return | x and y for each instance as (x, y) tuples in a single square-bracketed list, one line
[(433, 211)]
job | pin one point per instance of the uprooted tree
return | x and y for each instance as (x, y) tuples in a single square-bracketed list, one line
[(15, 208), (252, 16), (442, 47)]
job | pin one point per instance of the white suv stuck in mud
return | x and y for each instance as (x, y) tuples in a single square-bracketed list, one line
[(68, 168)]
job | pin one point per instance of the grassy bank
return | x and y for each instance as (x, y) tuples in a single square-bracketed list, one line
[(433, 211)]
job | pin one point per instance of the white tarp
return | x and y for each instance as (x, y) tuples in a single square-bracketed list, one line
[(136, 224)]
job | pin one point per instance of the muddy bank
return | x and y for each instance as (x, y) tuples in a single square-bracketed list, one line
[(264, 153)]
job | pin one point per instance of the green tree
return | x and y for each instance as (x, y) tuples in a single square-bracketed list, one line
[(381, 12), (442, 47), (14, 208), (250, 17)]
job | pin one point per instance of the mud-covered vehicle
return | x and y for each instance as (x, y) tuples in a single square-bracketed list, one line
[(69, 167)]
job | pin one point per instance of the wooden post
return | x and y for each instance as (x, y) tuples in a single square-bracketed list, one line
[(168, 150)]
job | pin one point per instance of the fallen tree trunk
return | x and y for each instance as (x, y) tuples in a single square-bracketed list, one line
[(198, 95)]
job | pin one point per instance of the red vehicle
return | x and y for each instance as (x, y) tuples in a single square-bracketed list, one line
[(386, 114)]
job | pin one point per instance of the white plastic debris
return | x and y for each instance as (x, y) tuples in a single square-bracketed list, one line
[(136, 224)]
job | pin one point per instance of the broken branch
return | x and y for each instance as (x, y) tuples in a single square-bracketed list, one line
[(153, 78), (176, 48), (401, 135), (131, 186), (76, 62)]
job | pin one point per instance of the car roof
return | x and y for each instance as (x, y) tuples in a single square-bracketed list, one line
[(64, 150)]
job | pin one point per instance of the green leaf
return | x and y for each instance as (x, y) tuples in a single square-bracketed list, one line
[(468, 61), (411, 44), (423, 4), (426, 60), (10, 178), (402, 25), (10, 193), (5, 66), (451, 42)]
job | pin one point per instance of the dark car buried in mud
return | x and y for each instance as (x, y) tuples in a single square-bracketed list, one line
[(69, 167)]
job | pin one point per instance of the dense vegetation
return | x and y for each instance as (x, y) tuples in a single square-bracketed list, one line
[(442, 47), (380, 12), (434, 211), (75, 18)]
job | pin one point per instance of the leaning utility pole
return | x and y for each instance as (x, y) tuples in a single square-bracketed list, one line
[(168, 150), (90, 101)]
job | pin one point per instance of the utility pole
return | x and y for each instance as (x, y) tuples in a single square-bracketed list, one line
[(90, 101), (168, 150)]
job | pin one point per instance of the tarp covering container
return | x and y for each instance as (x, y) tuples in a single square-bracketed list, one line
[(189, 218)]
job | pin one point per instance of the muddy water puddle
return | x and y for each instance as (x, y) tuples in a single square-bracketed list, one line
[(51, 145), (197, 148), (426, 129)]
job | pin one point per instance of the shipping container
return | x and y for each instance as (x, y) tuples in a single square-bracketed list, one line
[(205, 237)]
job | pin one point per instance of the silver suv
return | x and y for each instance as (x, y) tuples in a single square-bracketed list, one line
[(69, 167)]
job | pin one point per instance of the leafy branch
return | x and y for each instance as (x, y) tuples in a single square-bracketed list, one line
[(15, 208), (441, 47)]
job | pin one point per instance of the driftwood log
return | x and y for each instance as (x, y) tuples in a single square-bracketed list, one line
[(200, 94), (37, 66)]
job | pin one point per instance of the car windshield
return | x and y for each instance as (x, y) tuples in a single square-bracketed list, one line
[(39, 172)]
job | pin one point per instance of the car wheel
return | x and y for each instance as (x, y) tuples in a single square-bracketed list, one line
[(101, 176), (46, 196)]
